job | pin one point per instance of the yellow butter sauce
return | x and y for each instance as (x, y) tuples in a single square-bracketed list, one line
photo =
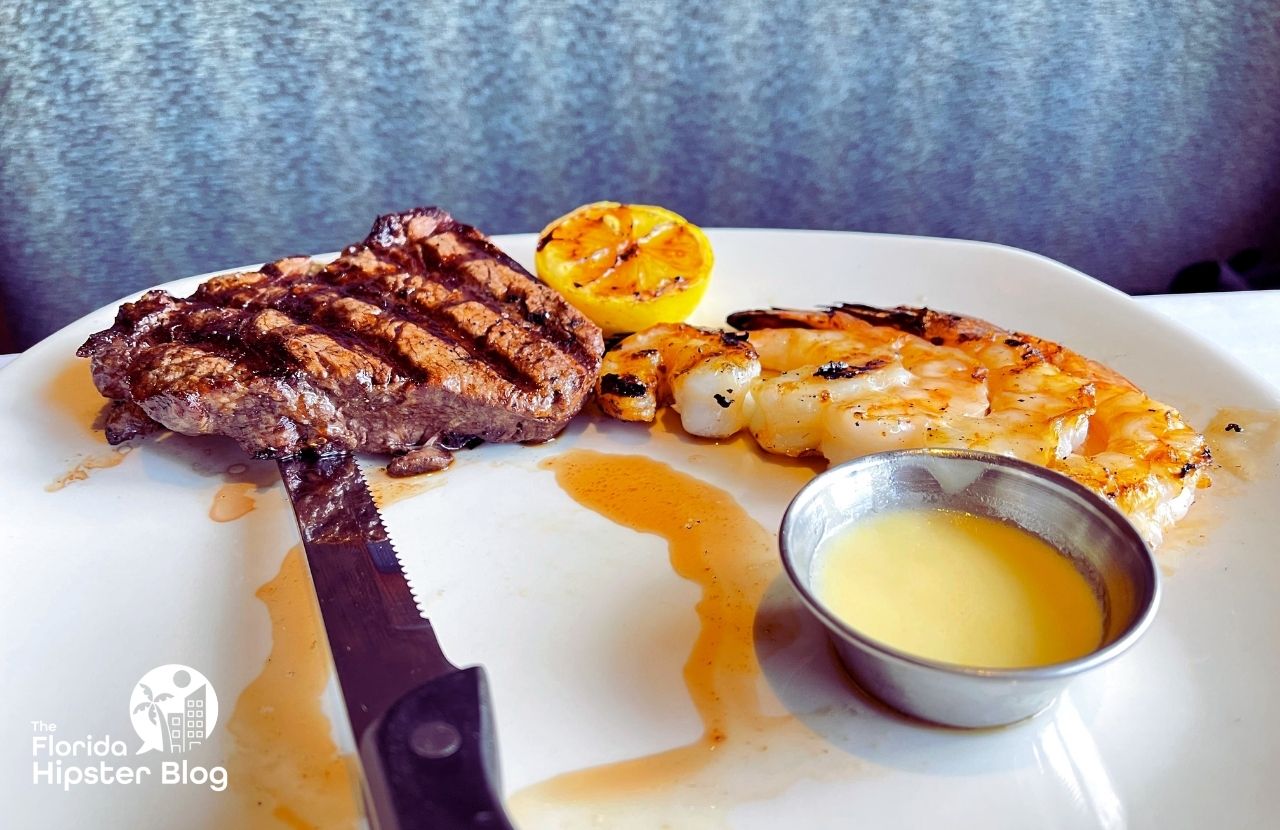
[(959, 588)]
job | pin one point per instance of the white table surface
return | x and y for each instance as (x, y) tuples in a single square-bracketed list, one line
[(1245, 323)]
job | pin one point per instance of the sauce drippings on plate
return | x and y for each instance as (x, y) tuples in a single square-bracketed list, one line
[(233, 500), (70, 392), (242, 485), (1243, 440), (714, 543), (285, 765), (85, 466), (388, 490), (1246, 446)]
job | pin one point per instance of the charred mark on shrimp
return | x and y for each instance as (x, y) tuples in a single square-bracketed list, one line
[(624, 386), (839, 369)]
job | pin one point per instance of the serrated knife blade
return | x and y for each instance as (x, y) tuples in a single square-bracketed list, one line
[(422, 726)]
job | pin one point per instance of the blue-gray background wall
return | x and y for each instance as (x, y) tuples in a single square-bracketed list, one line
[(146, 140)]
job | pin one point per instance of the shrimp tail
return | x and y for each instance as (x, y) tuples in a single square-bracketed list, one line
[(922, 322), (938, 327), (778, 318)]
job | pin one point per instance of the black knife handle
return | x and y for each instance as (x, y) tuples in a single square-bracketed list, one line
[(431, 761)]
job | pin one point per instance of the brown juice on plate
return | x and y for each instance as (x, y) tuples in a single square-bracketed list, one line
[(388, 490), (85, 466), (232, 501), (285, 766), (743, 753), (71, 392)]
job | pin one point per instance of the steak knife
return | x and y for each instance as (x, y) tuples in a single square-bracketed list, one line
[(423, 727)]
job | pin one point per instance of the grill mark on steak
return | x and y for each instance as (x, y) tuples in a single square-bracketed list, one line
[(419, 345), (303, 300), (414, 351), (574, 333), (426, 329), (398, 295), (406, 298)]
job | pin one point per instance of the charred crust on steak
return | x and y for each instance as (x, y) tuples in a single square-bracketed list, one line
[(456, 441), (425, 329), (123, 421)]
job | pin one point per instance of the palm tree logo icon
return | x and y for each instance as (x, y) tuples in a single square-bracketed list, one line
[(173, 709), (152, 704)]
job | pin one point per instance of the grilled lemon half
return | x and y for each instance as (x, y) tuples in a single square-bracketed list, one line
[(626, 267)]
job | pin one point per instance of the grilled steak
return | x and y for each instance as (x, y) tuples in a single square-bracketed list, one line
[(421, 339)]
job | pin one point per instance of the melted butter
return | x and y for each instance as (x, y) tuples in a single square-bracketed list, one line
[(959, 588), (743, 753), (85, 466), (232, 501), (285, 765)]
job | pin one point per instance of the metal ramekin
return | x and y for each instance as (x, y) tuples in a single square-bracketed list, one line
[(1071, 518)]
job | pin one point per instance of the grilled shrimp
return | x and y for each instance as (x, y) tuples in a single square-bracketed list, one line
[(703, 375), (1137, 452), (1140, 454), (855, 379), (842, 395)]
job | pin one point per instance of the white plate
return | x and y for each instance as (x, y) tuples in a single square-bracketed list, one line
[(582, 624)]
